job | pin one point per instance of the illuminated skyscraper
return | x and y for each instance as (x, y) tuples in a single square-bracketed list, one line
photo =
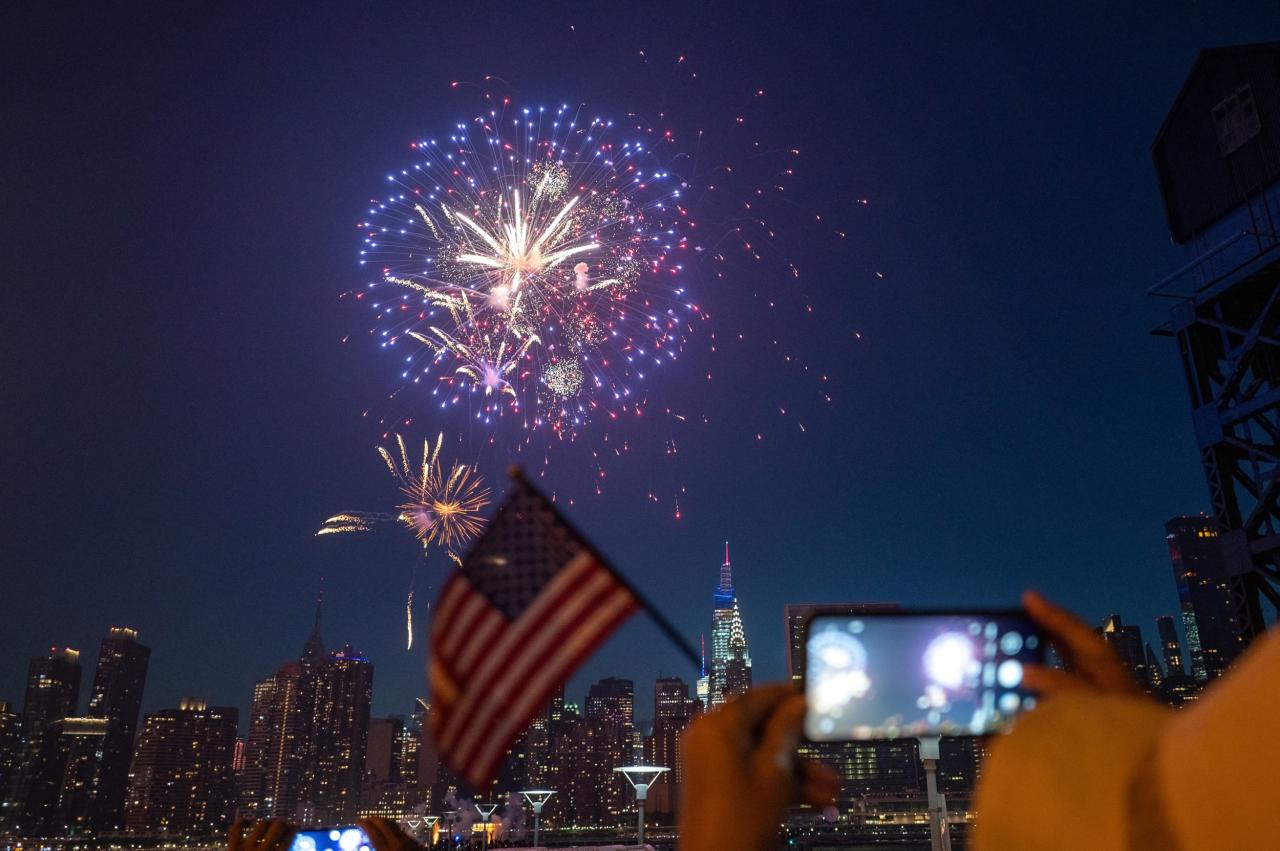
[(276, 750), (53, 692), (1169, 645), (730, 662), (339, 729), (10, 749), (182, 782), (97, 767), (1204, 595), (673, 709)]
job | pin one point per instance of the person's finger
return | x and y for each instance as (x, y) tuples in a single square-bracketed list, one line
[(373, 830), (1061, 625), (734, 727), (275, 832), (379, 832), (819, 784), (255, 835), (235, 834), (1050, 681), (774, 760)]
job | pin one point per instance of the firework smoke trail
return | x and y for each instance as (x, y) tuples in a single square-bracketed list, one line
[(530, 264)]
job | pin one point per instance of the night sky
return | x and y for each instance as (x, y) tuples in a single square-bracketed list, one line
[(181, 186)]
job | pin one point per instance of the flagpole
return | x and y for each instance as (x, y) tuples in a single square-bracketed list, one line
[(650, 609)]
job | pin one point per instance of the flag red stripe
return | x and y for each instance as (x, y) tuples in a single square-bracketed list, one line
[(570, 653), (562, 586), (460, 627), (484, 634), (454, 591), (494, 696)]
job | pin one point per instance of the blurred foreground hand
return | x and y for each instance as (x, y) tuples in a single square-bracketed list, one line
[(1093, 665), (264, 836), (741, 773), (386, 835)]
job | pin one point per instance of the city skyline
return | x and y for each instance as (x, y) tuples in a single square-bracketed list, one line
[(313, 647)]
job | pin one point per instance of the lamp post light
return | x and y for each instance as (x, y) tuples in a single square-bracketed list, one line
[(450, 819), (430, 825), (641, 777), (939, 830), (536, 798), (485, 811)]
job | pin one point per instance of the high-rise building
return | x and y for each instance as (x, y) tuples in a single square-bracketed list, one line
[(612, 700), (10, 751), (117, 699), (730, 662), (1170, 647), (1204, 595), (339, 735), (673, 709), (78, 755), (182, 782), (1155, 674), (1126, 641), (53, 693), (276, 750)]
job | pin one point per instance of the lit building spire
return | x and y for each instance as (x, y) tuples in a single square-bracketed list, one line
[(313, 652), (726, 573)]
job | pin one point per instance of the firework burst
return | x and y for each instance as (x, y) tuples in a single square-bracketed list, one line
[(530, 265), (442, 506)]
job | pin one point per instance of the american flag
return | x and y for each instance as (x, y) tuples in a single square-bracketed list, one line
[(530, 604)]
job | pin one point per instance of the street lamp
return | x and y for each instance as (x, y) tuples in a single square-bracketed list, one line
[(450, 819), (939, 831), (641, 777), (431, 824), (536, 798), (485, 811)]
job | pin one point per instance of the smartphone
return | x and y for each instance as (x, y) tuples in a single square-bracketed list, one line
[(887, 675), (348, 838)]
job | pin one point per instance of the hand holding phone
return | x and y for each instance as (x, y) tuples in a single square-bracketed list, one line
[(887, 675), (346, 838)]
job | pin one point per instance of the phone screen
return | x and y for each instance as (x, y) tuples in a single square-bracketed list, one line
[(349, 838), (886, 675)]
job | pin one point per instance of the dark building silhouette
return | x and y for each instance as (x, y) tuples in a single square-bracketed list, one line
[(52, 693), (182, 783), (339, 735), (10, 751), (1126, 641), (1217, 157), (116, 699), (1204, 595)]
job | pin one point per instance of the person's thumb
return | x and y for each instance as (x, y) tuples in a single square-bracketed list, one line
[(774, 760)]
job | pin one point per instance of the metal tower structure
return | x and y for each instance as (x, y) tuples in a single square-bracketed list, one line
[(1217, 156)]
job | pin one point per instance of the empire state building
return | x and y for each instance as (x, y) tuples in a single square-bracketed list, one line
[(730, 662)]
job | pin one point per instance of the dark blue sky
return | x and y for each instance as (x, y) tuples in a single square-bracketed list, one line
[(180, 188)]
